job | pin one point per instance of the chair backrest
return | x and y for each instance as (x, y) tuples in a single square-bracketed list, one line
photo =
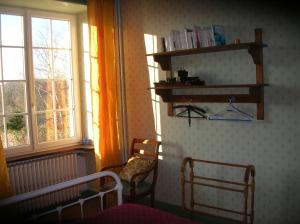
[(148, 149), (145, 148)]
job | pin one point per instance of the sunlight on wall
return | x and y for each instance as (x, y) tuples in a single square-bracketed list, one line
[(151, 47)]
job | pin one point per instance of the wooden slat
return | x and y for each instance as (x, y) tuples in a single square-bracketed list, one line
[(215, 186), (217, 98), (221, 163), (260, 75), (221, 181), (221, 209)]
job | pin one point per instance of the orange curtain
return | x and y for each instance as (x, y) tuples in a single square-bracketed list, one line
[(5, 188), (104, 82)]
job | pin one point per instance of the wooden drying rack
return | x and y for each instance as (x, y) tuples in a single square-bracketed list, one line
[(245, 187)]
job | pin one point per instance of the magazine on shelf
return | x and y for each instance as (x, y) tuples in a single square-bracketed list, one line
[(208, 37), (175, 35), (219, 35), (183, 40), (199, 37), (205, 37), (188, 34)]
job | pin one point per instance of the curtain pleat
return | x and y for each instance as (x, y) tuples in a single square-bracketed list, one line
[(5, 187), (104, 82)]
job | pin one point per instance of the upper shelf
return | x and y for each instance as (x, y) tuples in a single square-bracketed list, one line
[(164, 58)]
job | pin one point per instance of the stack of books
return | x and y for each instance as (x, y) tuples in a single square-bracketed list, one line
[(198, 37)]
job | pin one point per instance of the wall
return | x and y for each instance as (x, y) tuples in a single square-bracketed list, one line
[(271, 145)]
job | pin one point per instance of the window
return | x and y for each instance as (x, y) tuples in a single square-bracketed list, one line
[(87, 82), (39, 91), (14, 111)]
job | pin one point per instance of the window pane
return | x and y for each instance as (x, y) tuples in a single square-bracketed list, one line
[(61, 34), (62, 63), (41, 33), (90, 125), (14, 97), (13, 63), (16, 126), (62, 94), (12, 30), (86, 67), (64, 124), (2, 132), (53, 79), (42, 63), (45, 127), (85, 31), (43, 95), (88, 97)]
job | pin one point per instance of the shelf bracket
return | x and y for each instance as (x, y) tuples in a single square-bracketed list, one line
[(256, 53), (256, 50), (163, 61)]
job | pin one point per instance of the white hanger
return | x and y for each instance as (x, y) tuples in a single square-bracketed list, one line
[(231, 113)]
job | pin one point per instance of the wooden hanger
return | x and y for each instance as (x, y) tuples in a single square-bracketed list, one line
[(189, 109)]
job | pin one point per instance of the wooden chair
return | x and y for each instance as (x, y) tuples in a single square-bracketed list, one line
[(143, 148)]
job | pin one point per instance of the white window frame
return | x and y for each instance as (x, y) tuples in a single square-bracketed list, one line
[(23, 148), (34, 146)]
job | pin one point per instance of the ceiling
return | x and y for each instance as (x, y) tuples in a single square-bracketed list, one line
[(52, 5)]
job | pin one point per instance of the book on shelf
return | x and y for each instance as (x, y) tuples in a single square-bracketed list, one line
[(205, 36), (209, 36), (194, 36), (210, 40), (175, 36), (170, 43), (183, 40), (197, 30), (188, 34), (219, 34)]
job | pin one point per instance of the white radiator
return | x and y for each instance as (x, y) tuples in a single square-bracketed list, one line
[(37, 173)]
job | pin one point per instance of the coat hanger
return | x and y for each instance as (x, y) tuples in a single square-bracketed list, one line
[(231, 113), (188, 109)]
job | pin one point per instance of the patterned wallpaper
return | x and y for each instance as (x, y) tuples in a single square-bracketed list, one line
[(271, 145)]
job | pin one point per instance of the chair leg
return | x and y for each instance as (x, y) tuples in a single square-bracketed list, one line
[(152, 197)]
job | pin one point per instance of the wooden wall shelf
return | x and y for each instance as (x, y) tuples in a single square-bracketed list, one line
[(164, 58), (256, 91), (165, 90), (179, 85)]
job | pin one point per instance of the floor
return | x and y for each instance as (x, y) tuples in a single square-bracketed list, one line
[(180, 212), (72, 214)]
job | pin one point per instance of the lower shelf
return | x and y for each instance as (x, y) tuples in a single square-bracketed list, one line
[(255, 95)]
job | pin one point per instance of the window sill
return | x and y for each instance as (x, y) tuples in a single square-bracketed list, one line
[(32, 155)]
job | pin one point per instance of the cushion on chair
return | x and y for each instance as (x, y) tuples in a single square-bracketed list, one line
[(136, 165)]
